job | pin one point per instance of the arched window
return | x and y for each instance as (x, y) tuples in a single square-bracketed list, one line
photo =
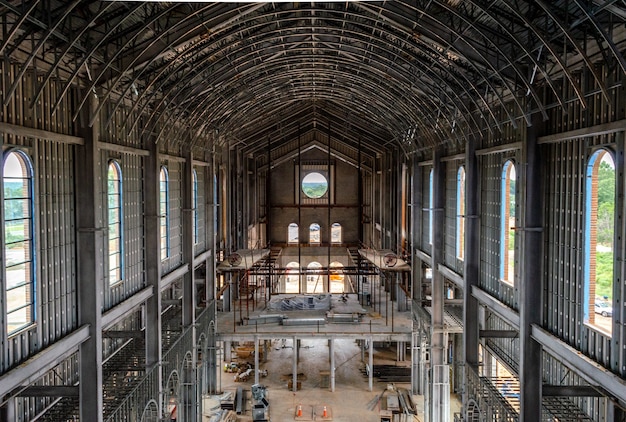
[(314, 278), (292, 278), (115, 222), (335, 233), (460, 213), (430, 206), (315, 233), (507, 224), (194, 191), (292, 233), (164, 202), (599, 240), (17, 179), (336, 277)]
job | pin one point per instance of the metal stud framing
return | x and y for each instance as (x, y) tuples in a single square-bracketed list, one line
[(245, 86)]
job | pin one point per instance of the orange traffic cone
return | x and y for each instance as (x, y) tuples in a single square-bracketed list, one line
[(299, 412), (325, 413)]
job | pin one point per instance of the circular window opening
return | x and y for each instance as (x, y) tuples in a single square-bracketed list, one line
[(314, 185)]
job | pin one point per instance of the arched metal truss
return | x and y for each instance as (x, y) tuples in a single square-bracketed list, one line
[(418, 73)]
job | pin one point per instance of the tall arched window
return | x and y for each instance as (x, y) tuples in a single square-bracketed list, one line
[(599, 240), (315, 233), (336, 277), (460, 213), (164, 202), (507, 225), (292, 278), (335, 233), (115, 222), (314, 278), (17, 179), (194, 191), (292, 233), (430, 205)]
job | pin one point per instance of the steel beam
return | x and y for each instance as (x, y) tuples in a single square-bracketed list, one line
[(588, 369), (28, 132), (36, 366), (424, 256), (498, 334), (596, 130), (509, 315), (49, 391), (513, 146), (123, 148), (121, 311), (571, 391), (203, 256), (173, 275), (451, 275)]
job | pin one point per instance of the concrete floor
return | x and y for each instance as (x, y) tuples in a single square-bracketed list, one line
[(350, 400)]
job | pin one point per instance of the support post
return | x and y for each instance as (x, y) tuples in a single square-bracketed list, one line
[(295, 366), (471, 262), (90, 245), (440, 386), (256, 360), (370, 377), (331, 351), (153, 260), (189, 295), (531, 278), (416, 271)]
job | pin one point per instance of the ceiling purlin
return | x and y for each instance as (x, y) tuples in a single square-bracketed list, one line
[(351, 126), (225, 75), (541, 40), (177, 46), (99, 78), (481, 42), (54, 23), (438, 36), (229, 75), (103, 14), (558, 34)]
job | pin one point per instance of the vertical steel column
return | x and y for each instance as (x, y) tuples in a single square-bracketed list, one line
[(619, 293), (440, 383), (153, 261), (268, 191), (294, 375), (90, 245), (189, 288), (471, 262), (210, 285), (331, 351), (531, 278), (370, 362), (4, 338), (189, 294), (360, 197), (256, 359), (416, 269), (331, 191)]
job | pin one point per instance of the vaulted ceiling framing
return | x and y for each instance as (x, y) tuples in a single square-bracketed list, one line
[(416, 73)]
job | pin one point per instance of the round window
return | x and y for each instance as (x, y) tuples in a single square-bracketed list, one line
[(314, 185)]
